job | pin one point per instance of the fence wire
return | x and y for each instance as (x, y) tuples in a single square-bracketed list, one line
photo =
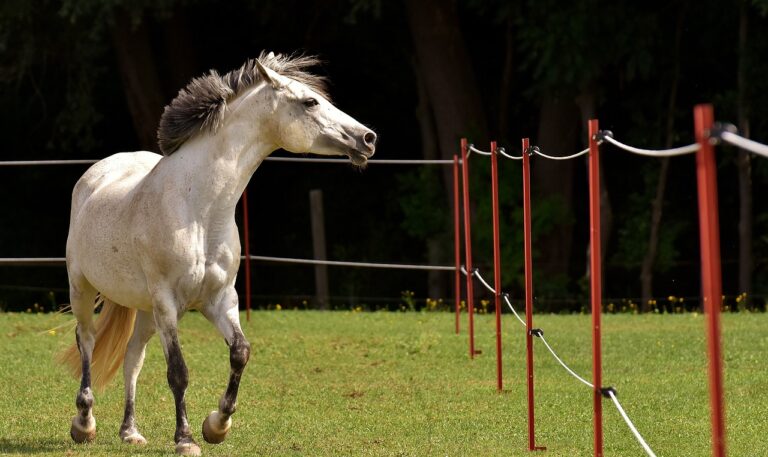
[(23, 163), (339, 263), (631, 426), (609, 392), (19, 163)]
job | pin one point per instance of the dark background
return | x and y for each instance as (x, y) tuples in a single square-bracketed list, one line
[(85, 79)]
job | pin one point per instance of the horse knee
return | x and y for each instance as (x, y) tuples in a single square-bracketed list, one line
[(84, 400), (239, 353)]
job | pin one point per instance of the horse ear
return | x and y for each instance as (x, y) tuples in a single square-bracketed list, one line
[(265, 74)]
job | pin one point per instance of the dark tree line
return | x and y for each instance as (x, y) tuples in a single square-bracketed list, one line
[(84, 79)]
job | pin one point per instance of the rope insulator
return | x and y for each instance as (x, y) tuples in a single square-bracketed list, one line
[(607, 391)]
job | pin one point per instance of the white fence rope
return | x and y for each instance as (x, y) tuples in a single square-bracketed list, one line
[(509, 304), (631, 426), (503, 152), (477, 274), (744, 143), (573, 373), (682, 150), (538, 152), (472, 148)]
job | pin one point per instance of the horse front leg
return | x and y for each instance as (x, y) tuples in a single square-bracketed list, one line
[(166, 321), (226, 317)]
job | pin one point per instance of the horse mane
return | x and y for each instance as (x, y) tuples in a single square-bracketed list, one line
[(202, 104)]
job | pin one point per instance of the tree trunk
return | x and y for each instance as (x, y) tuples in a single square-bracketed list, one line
[(506, 78), (180, 60), (657, 204), (558, 134), (141, 84), (449, 100), (743, 163), (586, 103), (553, 180), (443, 62), (646, 269), (436, 284)]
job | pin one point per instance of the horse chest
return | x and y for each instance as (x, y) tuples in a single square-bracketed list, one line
[(205, 279)]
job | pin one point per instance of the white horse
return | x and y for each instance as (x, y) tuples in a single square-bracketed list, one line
[(152, 236)]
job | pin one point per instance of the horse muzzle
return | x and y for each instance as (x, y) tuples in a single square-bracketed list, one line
[(364, 148)]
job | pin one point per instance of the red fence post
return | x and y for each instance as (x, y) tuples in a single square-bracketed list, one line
[(595, 277), (246, 237), (528, 295), (457, 240), (496, 261), (468, 247), (709, 229)]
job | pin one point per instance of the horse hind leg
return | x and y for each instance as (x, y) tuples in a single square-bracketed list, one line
[(82, 297), (143, 330)]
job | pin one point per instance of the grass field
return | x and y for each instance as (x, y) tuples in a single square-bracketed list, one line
[(343, 383)]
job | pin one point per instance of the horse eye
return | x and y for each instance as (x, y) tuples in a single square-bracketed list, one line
[(310, 102)]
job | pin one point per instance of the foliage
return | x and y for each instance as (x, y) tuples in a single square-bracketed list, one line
[(56, 67), (61, 97), (425, 211), (634, 226), (565, 49), (762, 6)]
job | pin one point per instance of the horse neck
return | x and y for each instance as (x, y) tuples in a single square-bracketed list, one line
[(212, 171)]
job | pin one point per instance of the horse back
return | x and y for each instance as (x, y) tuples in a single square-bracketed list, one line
[(124, 169)]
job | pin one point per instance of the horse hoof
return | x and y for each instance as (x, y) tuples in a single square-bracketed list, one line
[(134, 438), (188, 448), (215, 429), (83, 433)]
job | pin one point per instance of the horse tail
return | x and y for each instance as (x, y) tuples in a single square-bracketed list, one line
[(114, 328)]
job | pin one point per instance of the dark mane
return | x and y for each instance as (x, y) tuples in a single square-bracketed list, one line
[(202, 104)]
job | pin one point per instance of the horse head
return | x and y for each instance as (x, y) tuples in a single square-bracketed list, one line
[(274, 97), (305, 121)]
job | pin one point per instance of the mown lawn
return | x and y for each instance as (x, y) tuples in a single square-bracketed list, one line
[(343, 383)]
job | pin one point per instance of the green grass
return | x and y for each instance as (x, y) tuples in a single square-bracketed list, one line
[(342, 383)]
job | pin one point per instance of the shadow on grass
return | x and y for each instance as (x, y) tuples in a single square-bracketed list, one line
[(21, 446), (34, 446)]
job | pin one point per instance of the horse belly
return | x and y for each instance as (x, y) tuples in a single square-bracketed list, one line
[(120, 279)]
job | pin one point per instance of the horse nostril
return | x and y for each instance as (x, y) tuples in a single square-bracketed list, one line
[(370, 139)]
